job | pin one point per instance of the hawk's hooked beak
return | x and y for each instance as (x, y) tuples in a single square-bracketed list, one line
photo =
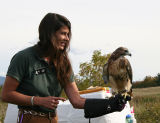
[(129, 54)]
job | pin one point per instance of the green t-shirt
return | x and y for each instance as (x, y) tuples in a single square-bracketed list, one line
[(35, 76)]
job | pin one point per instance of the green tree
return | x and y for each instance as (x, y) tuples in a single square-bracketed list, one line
[(91, 72)]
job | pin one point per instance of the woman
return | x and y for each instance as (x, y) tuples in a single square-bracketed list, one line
[(37, 75)]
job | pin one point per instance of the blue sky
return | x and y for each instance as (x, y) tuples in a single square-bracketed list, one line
[(96, 25)]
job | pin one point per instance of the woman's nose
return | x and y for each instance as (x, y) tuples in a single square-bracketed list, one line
[(66, 37)]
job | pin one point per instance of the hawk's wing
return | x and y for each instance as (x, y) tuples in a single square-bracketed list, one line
[(105, 75), (129, 70)]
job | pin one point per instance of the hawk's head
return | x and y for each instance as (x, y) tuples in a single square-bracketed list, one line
[(121, 51)]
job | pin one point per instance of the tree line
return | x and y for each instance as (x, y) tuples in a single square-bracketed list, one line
[(148, 81)]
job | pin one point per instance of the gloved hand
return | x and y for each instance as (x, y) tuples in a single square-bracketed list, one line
[(98, 107)]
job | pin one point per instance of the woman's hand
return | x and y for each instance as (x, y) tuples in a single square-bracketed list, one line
[(48, 102)]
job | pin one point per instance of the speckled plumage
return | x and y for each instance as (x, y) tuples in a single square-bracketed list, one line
[(118, 72)]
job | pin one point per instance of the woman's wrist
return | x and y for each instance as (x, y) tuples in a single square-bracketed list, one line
[(36, 100)]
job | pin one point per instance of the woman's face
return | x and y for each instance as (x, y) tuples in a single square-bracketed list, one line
[(61, 37)]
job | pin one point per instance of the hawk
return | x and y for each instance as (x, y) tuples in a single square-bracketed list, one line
[(118, 72)]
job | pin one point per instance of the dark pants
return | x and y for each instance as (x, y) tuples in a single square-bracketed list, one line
[(30, 118)]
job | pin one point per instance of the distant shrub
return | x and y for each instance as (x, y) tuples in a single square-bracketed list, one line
[(148, 82)]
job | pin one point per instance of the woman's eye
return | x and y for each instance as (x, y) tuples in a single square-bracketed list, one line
[(63, 33)]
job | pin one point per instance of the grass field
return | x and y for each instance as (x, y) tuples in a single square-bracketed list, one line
[(146, 102), (3, 107)]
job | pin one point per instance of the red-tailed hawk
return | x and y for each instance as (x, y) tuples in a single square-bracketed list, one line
[(118, 72)]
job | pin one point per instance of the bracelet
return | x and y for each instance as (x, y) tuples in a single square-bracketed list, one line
[(32, 101)]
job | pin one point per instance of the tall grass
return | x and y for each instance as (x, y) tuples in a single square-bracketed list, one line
[(146, 104), (3, 107)]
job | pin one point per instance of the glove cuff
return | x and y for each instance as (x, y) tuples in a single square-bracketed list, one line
[(97, 107)]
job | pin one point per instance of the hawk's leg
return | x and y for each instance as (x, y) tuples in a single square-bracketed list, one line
[(125, 94)]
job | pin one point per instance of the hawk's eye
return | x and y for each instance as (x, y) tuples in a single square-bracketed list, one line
[(125, 50)]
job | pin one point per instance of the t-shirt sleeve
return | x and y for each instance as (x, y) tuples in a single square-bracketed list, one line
[(17, 67)]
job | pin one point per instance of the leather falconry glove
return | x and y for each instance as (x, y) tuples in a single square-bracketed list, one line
[(98, 107)]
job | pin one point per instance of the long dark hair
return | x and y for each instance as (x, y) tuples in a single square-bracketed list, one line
[(51, 23)]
